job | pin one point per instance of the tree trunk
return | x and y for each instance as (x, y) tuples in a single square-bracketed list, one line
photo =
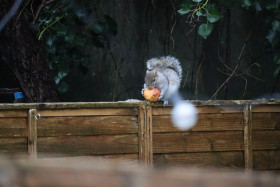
[(21, 51)]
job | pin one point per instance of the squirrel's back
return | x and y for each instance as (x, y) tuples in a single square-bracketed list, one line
[(165, 62)]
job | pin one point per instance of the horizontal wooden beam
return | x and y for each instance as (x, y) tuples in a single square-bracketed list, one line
[(125, 104)]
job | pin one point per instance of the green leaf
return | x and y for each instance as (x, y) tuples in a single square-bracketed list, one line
[(276, 71), (213, 15), (271, 4), (63, 87), (257, 6), (69, 37), (50, 40), (205, 29), (200, 13), (186, 8), (273, 35), (246, 3), (62, 30)]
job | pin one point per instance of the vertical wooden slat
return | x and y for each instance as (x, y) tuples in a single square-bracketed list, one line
[(145, 135), (248, 155), (149, 141), (32, 134), (141, 122)]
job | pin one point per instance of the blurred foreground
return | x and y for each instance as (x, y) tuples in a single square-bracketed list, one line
[(83, 171)]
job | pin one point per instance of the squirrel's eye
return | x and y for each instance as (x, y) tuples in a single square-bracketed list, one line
[(154, 80)]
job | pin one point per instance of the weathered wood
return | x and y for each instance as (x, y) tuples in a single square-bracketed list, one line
[(198, 142), (57, 156), (206, 122), (158, 111), (69, 105), (32, 134), (13, 145), (202, 110), (123, 104), (266, 108), (122, 129), (145, 135), (266, 159), (122, 157), (90, 112), (130, 160), (226, 102), (231, 109), (13, 127), (248, 155), (89, 145), (87, 125), (149, 138), (266, 139), (232, 160), (13, 114), (141, 135), (266, 121)]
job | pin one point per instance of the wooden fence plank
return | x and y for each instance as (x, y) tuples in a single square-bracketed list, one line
[(145, 135), (32, 134), (90, 112), (266, 139), (158, 111), (87, 125), (266, 121), (13, 145), (89, 145), (267, 159), (232, 160), (248, 156), (13, 127), (13, 114), (202, 109), (130, 160), (149, 141), (266, 108), (206, 122), (50, 156), (198, 142), (142, 122)]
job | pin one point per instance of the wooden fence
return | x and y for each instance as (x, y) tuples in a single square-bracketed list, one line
[(228, 134)]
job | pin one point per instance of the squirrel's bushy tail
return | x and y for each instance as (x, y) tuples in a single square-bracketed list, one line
[(165, 62)]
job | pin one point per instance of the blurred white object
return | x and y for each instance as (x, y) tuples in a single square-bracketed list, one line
[(184, 115)]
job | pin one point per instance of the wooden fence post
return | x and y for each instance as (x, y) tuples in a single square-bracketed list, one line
[(248, 154), (145, 135), (32, 134)]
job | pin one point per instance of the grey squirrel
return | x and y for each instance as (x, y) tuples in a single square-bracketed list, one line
[(164, 73)]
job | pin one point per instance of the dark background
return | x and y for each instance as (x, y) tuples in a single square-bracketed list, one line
[(98, 49)]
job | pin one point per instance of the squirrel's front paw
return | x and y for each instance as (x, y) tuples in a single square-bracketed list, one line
[(160, 97), (142, 91)]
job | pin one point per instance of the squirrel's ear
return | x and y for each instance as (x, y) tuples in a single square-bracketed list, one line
[(147, 71)]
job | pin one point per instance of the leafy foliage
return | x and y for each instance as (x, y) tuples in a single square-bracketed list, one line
[(205, 29), (206, 13), (198, 11), (69, 29)]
